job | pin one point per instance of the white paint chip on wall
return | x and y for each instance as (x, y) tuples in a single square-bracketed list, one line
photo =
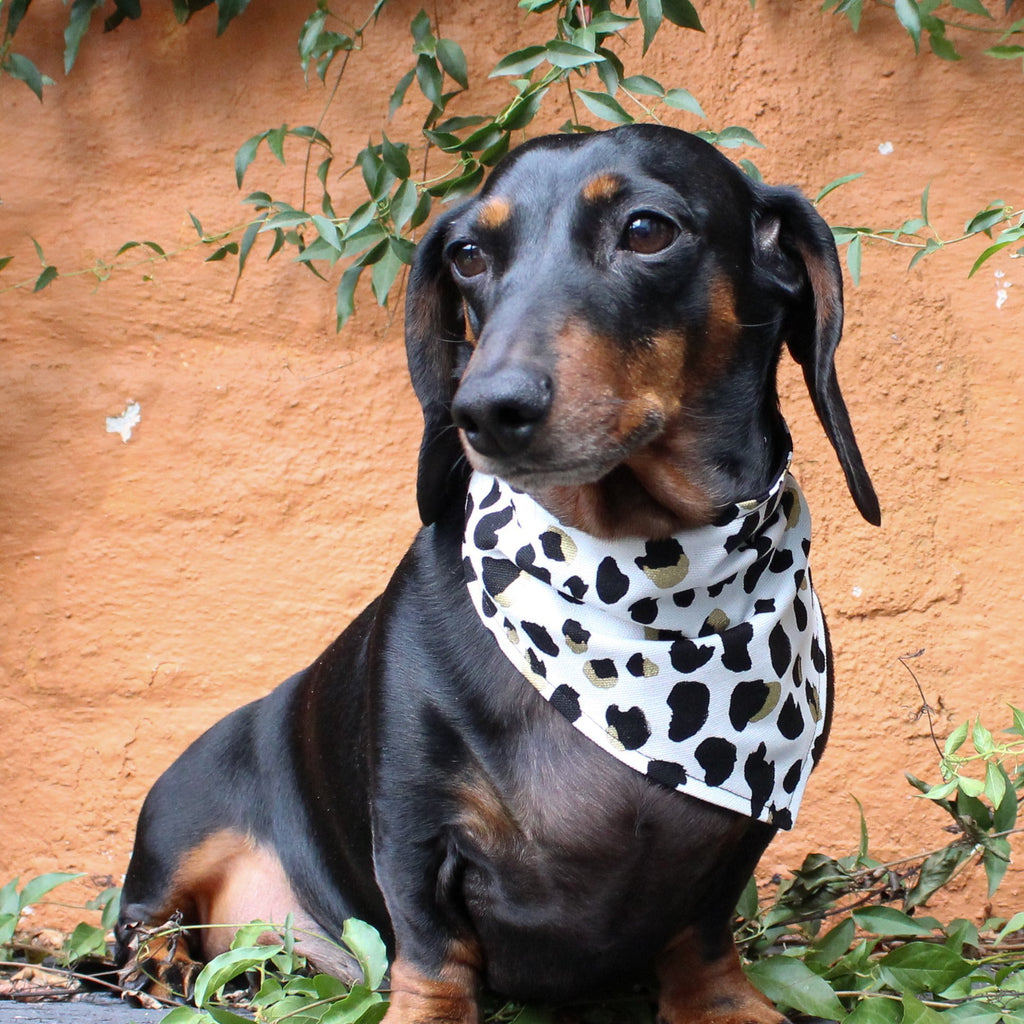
[(886, 148), (126, 422)]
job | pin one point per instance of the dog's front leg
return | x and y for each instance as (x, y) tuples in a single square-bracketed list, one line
[(702, 982), (447, 996)]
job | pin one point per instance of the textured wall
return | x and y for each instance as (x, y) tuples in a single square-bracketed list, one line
[(151, 585)]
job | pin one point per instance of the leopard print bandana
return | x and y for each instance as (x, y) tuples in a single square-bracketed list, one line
[(699, 660)]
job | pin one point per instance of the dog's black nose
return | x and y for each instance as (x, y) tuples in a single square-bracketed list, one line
[(500, 412)]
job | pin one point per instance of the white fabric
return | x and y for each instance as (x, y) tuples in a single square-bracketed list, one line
[(698, 660)]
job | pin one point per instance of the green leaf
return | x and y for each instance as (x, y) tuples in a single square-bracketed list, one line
[(285, 219), (972, 7), (15, 13), (750, 170), (1004, 816), (566, 55), (23, 70), (915, 1012), (223, 968), (828, 948), (854, 256), (956, 739), (791, 983), (607, 22), (1015, 924), (345, 301), (186, 1015), (404, 203), (398, 96), (227, 10), (995, 860), (941, 791), (78, 23), (982, 740), (872, 1010), (680, 99), (328, 231), (889, 921), (522, 110), (971, 787), (230, 249), (366, 945), (395, 158), (651, 18), (354, 1007), (643, 85), (604, 106), (453, 60), (4, 260), (520, 62), (995, 783), (922, 967), (910, 18), (734, 136), (428, 75), (935, 871), (837, 183), (682, 13), (1005, 52), (48, 274), (197, 226), (747, 905), (38, 887), (86, 940), (931, 245)]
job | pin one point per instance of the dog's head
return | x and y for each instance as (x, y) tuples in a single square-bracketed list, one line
[(601, 325)]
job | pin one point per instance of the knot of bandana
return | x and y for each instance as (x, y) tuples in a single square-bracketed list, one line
[(698, 659)]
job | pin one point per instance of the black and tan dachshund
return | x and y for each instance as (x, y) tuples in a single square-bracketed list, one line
[(599, 328)]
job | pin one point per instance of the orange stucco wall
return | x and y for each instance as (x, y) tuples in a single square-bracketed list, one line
[(150, 586)]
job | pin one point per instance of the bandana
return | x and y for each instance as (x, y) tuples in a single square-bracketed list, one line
[(698, 660)]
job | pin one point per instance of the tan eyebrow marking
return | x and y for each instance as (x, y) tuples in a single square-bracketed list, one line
[(495, 213), (603, 187)]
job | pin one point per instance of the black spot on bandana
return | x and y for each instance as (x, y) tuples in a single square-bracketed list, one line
[(781, 561), (689, 701), (499, 574), (788, 501), (684, 598), (574, 632), (780, 817), (791, 721), (818, 656), (781, 651), (566, 701), (536, 665), (668, 773), (735, 653), (492, 495), (799, 612), (551, 542), (612, 583), (485, 536), (716, 588), (687, 657), (526, 558), (644, 611), (541, 638), (747, 700), (764, 606), (792, 778), (718, 759), (602, 669), (635, 665), (576, 587), (745, 532), (760, 775), (630, 726), (468, 572)]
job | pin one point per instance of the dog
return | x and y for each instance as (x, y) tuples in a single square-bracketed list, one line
[(593, 339)]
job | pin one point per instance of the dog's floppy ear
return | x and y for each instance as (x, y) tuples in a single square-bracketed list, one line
[(434, 326), (797, 253)]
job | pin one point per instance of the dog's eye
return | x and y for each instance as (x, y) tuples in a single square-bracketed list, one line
[(648, 233), (469, 260)]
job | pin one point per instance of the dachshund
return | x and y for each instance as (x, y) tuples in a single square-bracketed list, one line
[(519, 798)]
